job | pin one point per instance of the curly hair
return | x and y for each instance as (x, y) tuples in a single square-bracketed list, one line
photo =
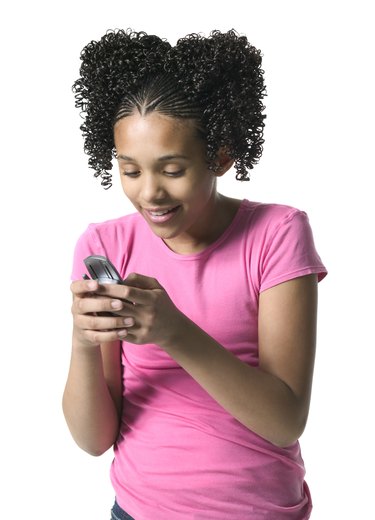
[(216, 81)]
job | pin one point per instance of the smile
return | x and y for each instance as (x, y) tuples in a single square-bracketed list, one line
[(161, 215)]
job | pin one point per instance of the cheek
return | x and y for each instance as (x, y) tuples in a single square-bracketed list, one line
[(198, 186), (203, 186), (129, 189)]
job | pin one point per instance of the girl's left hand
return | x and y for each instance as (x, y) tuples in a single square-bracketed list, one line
[(156, 319)]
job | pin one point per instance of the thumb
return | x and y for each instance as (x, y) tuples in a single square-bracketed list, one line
[(141, 281)]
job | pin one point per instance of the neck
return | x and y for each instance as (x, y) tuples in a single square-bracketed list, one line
[(217, 219)]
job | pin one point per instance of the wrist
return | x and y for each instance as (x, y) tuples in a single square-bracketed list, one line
[(80, 345), (179, 335)]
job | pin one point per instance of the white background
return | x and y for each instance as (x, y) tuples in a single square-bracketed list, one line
[(318, 59)]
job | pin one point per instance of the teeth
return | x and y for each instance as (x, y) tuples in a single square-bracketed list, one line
[(159, 213)]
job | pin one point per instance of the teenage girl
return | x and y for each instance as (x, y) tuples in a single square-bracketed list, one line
[(198, 369)]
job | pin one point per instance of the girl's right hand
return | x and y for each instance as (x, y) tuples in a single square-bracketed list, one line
[(92, 323)]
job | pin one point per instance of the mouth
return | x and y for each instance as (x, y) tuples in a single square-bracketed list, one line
[(161, 215)]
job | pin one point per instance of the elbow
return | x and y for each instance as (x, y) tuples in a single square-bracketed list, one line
[(289, 435), (95, 449), (95, 445), (285, 442), (91, 438)]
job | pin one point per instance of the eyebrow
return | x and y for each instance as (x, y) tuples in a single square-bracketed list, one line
[(163, 158)]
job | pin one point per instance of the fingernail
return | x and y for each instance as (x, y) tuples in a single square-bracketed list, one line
[(92, 285), (129, 321), (122, 333), (116, 304)]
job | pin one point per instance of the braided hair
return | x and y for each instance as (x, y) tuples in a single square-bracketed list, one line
[(217, 81)]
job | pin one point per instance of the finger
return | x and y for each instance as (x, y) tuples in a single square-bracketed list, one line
[(128, 294), (97, 304), (103, 323), (131, 337), (141, 281), (80, 287), (100, 337)]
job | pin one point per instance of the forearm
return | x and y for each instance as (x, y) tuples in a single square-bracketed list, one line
[(257, 399), (88, 406)]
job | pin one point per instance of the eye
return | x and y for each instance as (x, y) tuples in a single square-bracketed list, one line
[(132, 174), (177, 173)]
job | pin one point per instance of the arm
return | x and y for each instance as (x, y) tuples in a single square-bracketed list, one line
[(93, 392), (272, 400)]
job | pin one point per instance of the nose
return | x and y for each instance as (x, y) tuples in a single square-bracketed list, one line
[(152, 188)]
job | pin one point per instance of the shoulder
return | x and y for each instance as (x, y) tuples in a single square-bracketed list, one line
[(116, 225), (280, 244), (270, 210), (267, 218), (116, 231), (115, 238), (110, 235)]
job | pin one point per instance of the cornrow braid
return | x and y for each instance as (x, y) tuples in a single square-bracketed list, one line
[(160, 93), (112, 67), (216, 81)]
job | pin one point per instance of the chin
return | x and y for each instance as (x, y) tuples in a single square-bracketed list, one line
[(164, 231), (165, 234)]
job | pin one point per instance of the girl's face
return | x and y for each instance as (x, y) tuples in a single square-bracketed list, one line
[(165, 175)]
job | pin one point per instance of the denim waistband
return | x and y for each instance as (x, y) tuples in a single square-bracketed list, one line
[(117, 513)]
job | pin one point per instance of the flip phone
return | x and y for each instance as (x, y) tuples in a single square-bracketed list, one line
[(102, 269)]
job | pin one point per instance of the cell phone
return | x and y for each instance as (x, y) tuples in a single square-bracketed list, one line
[(102, 269)]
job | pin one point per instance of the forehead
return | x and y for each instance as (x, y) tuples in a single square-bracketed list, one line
[(155, 129)]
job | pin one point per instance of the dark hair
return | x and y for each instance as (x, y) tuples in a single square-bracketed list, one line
[(216, 81)]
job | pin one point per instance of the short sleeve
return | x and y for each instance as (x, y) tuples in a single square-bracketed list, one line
[(290, 252), (87, 244)]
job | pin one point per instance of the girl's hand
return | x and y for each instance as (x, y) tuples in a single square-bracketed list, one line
[(156, 318), (93, 321), (144, 313)]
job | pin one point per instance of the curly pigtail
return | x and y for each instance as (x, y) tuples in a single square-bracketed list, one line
[(216, 81)]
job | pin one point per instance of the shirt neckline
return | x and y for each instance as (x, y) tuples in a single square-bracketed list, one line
[(194, 256)]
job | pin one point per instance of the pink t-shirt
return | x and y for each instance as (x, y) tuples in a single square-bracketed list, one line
[(179, 454)]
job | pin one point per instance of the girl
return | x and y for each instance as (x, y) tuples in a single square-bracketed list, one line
[(198, 369)]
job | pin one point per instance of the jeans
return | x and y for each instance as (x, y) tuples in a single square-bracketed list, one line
[(119, 514)]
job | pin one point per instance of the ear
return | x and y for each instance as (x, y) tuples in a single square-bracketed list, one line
[(223, 160)]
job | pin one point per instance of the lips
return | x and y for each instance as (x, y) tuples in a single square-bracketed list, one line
[(160, 215)]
